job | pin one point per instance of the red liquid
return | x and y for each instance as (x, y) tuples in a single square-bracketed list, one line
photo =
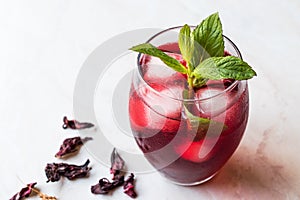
[(164, 134)]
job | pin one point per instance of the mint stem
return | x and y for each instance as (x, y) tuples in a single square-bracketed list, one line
[(190, 77), (190, 82)]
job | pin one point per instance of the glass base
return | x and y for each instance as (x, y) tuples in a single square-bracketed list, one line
[(194, 183)]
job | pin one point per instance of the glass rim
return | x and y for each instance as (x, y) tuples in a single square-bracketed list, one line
[(188, 100)]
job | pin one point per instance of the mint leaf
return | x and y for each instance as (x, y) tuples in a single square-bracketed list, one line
[(186, 43), (198, 53), (199, 126), (209, 36), (195, 121), (229, 67), (151, 50), (198, 82), (192, 118)]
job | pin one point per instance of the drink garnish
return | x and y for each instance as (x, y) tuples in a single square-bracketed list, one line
[(203, 50)]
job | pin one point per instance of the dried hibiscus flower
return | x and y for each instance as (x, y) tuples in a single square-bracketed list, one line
[(104, 185), (24, 192), (70, 145), (74, 124), (117, 164), (55, 171), (129, 186)]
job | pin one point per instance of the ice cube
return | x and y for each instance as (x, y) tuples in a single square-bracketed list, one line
[(163, 100), (212, 100), (157, 71), (148, 117)]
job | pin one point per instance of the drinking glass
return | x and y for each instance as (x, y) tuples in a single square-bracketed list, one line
[(188, 140)]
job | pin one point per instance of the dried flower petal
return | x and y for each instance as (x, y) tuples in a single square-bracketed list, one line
[(70, 145), (24, 192), (73, 124), (129, 186), (118, 182), (54, 171), (117, 164), (104, 185)]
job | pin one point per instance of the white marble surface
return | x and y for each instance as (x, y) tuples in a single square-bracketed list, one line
[(44, 43)]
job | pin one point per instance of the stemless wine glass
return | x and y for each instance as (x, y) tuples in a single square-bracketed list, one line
[(188, 140)]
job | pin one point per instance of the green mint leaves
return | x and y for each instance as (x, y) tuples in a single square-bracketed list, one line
[(203, 50), (199, 125), (151, 50), (217, 68), (186, 44), (202, 123), (209, 35), (205, 41)]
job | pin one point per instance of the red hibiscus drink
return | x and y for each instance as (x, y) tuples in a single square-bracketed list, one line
[(188, 139)]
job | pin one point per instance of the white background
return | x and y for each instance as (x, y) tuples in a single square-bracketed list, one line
[(44, 43)]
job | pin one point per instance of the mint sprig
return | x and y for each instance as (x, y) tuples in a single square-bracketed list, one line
[(203, 50), (151, 50)]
